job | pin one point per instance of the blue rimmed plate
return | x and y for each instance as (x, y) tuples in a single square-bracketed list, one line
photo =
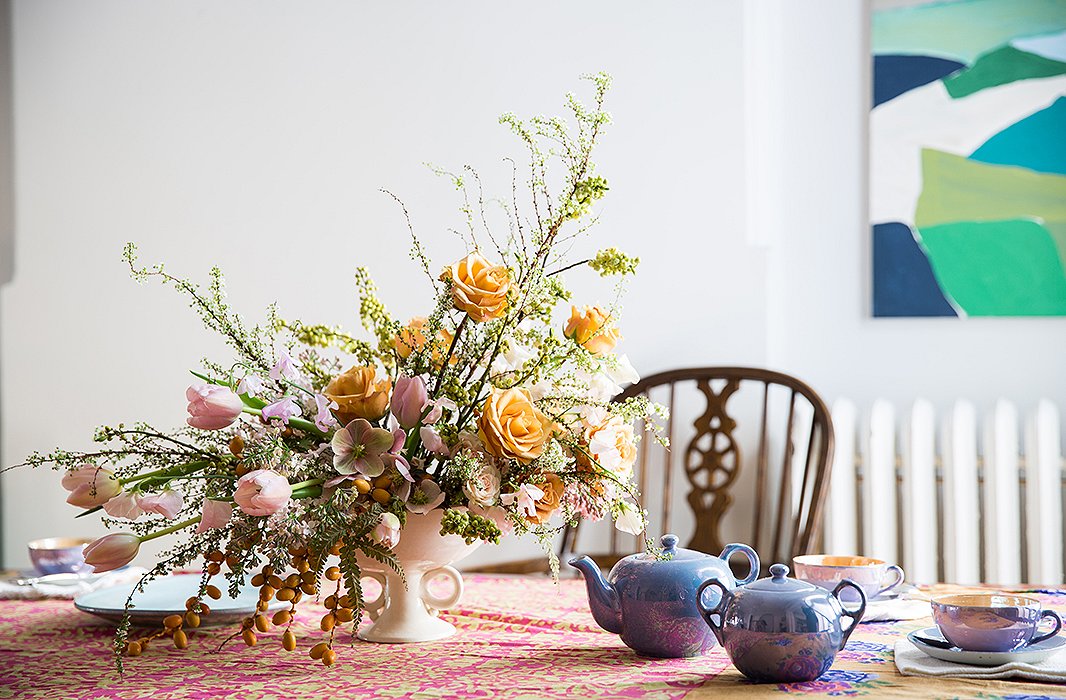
[(166, 596), (1032, 654)]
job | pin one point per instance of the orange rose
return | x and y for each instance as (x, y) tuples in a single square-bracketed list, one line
[(358, 395), (550, 501), (412, 338), (478, 287), (587, 328), (512, 427)]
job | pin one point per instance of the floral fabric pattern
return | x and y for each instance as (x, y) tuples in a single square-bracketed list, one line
[(518, 638)]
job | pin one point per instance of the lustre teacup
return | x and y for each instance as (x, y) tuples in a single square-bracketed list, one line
[(992, 621), (58, 555), (874, 576)]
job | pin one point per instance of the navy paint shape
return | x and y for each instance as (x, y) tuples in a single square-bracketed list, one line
[(895, 75), (904, 284)]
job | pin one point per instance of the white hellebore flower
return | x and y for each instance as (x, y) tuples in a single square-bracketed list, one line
[(629, 519)]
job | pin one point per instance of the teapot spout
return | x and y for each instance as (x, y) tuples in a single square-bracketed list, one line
[(603, 598)]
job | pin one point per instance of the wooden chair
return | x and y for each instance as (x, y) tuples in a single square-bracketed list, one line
[(787, 501)]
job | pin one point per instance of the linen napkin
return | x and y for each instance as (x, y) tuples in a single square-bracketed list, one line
[(35, 591), (902, 608), (911, 661)]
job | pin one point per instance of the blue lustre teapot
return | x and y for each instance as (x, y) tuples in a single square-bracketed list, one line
[(650, 598)]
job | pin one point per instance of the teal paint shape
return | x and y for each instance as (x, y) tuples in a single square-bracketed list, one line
[(1000, 67), (1037, 142)]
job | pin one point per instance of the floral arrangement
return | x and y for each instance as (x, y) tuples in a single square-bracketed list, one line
[(313, 447)]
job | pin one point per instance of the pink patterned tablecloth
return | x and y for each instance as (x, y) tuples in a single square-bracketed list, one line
[(518, 638)]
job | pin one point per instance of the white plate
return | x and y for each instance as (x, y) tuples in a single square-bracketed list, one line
[(1028, 655), (166, 596)]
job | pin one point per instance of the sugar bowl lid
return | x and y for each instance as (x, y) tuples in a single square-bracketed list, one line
[(779, 582)]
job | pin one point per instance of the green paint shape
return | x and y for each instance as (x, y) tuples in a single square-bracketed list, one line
[(1004, 65), (955, 188), (963, 30), (1057, 231), (998, 268)]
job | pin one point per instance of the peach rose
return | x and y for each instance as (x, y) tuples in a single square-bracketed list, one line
[(512, 427), (613, 445), (478, 287), (550, 501), (358, 395), (412, 338), (588, 328)]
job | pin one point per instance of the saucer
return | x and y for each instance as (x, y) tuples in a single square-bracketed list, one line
[(1032, 654), (166, 596)]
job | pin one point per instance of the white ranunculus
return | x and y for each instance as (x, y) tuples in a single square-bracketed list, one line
[(483, 488)]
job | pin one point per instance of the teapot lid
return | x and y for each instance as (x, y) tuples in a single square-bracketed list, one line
[(671, 552), (779, 582)]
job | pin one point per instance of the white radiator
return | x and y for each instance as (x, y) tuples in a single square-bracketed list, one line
[(975, 500)]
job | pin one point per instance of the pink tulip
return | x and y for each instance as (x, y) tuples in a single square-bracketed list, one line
[(216, 514), (212, 407), (168, 503), (409, 398), (112, 552), (262, 492), (125, 506), (90, 486), (387, 531)]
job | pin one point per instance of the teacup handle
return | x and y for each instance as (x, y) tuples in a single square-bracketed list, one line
[(1058, 626), (717, 609), (434, 603), (374, 607), (856, 614), (752, 556), (900, 576)]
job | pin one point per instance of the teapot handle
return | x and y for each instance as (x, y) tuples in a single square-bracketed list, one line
[(753, 560), (716, 610), (855, 615)]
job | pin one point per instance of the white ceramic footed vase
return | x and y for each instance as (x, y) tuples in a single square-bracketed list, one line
[(410, 613)]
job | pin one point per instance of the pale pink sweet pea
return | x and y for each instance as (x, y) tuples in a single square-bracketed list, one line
[(90, 486), (387, 531), (394, 456), (436, 410), (112, 551), (284, 409), (285, 367), (324, 419), (525, 497), (262, 492), (167, 503), (215, 514), (251, 384), (409, 397), (432, 441), (212, 407), (125, 506)]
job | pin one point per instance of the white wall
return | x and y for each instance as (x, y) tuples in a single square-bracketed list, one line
[(255, 135)]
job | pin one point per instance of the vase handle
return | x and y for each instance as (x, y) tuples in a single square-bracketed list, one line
[(374, 607), (433, 603)]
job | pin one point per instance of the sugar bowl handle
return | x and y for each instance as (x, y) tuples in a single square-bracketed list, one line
[(716, 627), (856, 614), (753, 560)]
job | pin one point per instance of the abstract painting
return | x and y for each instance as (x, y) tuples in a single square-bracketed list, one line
[(968, 158)]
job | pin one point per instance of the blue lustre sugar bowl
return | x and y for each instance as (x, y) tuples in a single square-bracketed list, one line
[(780, 629), (650, 598)]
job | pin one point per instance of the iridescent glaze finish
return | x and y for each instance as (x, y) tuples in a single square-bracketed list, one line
[(992, 621), (874, 576), (780, 629), (650, 600)]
